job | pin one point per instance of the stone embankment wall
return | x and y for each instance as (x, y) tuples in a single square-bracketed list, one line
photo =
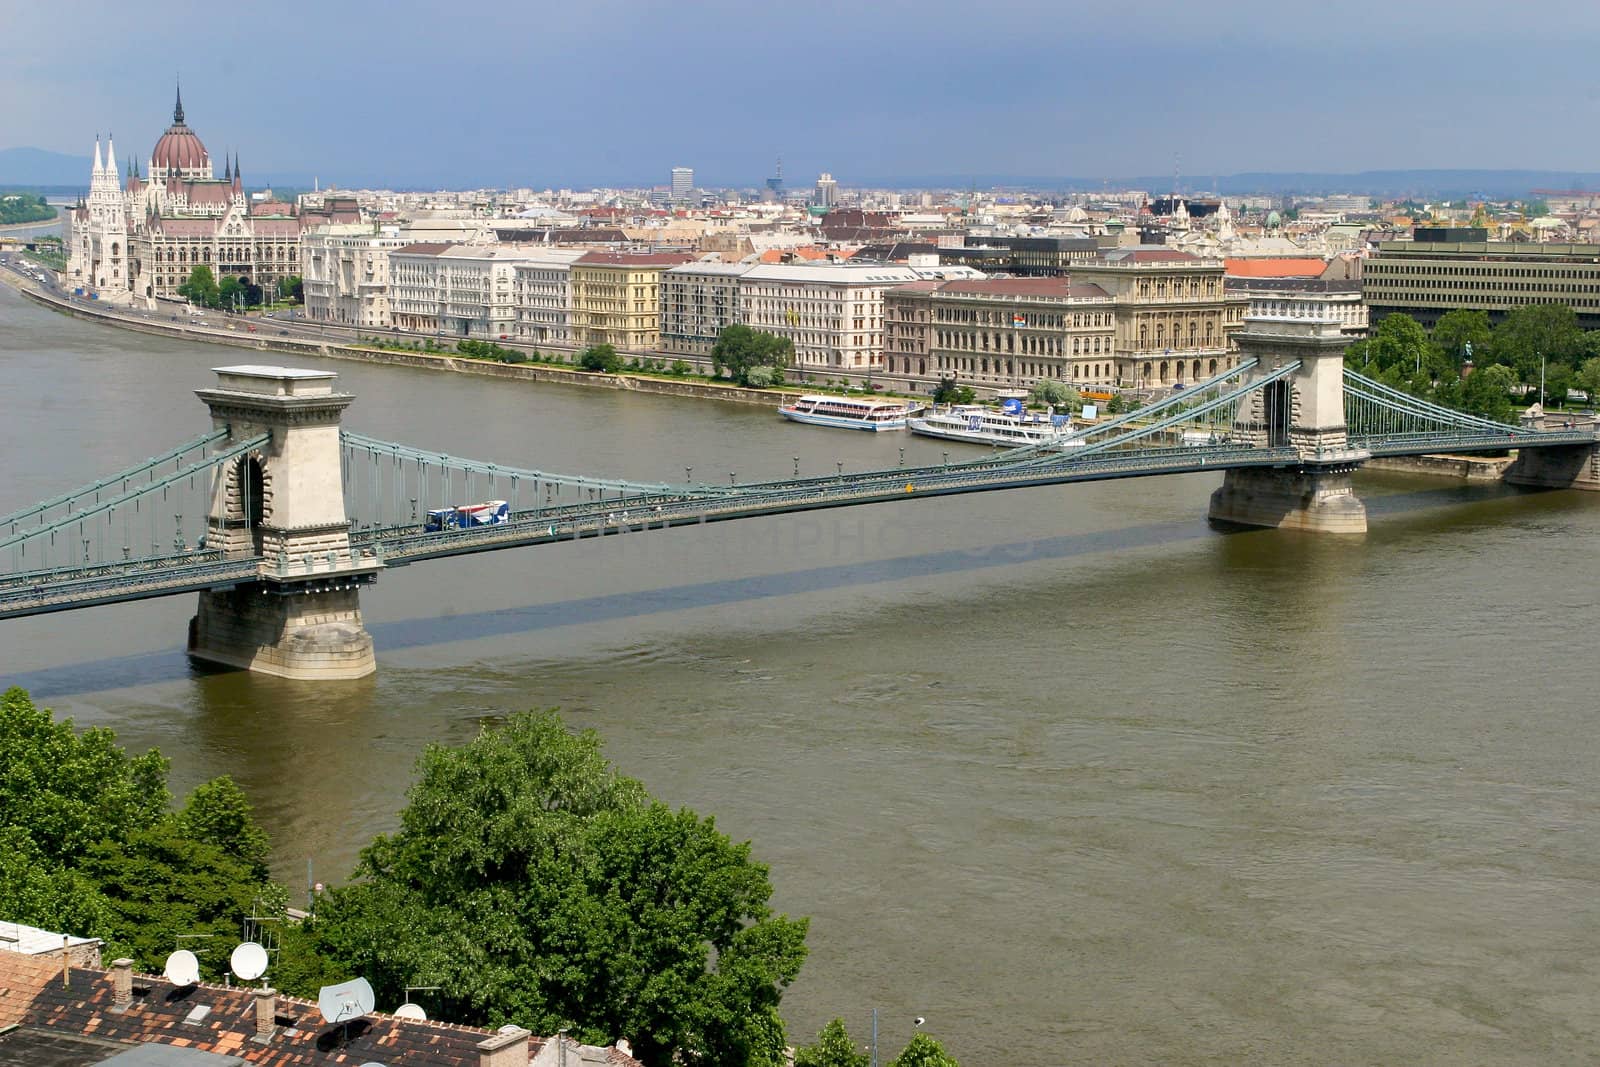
[(1470, 468), (533, 372)]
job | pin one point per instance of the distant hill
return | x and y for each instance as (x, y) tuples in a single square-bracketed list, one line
[(33, 167)]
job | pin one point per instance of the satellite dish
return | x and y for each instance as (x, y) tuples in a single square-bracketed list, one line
[(183, 968), (409, 1010), (249, 961), (345, 1001)]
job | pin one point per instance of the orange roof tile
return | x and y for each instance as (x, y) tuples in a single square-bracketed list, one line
[(1276, 268)]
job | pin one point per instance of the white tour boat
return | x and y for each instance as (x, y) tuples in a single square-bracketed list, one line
[(849, 413), (981, 425)]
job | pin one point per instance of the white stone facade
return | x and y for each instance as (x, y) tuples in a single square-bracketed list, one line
[(542, 296), (346, 274), (832, 312)]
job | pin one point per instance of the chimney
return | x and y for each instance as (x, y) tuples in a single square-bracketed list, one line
[(506, 1049), (266, 1012), (121, 983)]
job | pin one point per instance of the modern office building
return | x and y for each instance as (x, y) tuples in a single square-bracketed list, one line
[(1444, 269), (827, 191), (682, 184)]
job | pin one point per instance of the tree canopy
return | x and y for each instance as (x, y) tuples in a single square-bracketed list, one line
[(739, 350), (1058, 395), (88, 845), (537, 885), (923, 1051), (602, 358), (834, 1047), (201, 288)]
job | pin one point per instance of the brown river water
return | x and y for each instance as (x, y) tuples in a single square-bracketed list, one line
[(1066, 771)]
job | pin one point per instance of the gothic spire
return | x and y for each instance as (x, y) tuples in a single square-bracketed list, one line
[(98, 166), (177, 111), (111, 155), (227, 168)]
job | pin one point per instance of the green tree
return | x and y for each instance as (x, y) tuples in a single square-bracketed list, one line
[(833, 1048), (763, 377), (739, 349), (600, 358), (536, 884), (1589, 378), (201, 289), (923, 1051), (948, 392), (1486, 392), (1399, 341), (1456, 329), (1058, 395), (291, 287), (1538, 331), (230, 292), (87, 843)]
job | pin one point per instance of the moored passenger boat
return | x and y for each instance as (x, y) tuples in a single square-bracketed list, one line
[(981, 425), (849, 413)]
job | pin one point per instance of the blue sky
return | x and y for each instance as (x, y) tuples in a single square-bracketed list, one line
[(414, 93)]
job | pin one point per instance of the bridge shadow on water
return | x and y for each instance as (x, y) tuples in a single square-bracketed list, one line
[(1406, 513)]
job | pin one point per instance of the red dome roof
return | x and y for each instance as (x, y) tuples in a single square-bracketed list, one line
[(179, 149)]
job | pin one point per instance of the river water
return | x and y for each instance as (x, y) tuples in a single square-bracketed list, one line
[(1066, 771)]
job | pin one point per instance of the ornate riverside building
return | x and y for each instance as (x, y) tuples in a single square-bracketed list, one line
[(137, 236)]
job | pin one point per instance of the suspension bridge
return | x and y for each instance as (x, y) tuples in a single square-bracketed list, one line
[(277, 516)]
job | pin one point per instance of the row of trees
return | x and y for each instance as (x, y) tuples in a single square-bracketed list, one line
[(1531, 340), (203, 290), (528, 879), (834, 1047)]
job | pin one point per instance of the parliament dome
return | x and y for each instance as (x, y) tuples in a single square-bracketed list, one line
[(179, 153)]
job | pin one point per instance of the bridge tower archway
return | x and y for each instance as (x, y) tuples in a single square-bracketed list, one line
[(283, 504), (1300, 413)]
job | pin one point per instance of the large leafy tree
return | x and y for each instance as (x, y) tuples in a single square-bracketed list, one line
[(1457, 329), (740, 350), (1538, 331), (88, 845), (537, 885)]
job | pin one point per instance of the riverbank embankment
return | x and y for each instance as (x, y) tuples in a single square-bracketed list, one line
[(529, 372)]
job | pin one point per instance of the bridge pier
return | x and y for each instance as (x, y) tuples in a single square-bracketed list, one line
[(1303, 411), (1569, 467), (1316, 501), (284, 504)]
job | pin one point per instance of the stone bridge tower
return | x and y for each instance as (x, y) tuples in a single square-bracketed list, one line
[(284, 503), (1303, 411)]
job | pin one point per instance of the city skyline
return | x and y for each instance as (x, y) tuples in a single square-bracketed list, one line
[(871, 95)]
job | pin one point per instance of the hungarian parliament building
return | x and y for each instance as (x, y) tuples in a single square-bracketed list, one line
[(138, 235)]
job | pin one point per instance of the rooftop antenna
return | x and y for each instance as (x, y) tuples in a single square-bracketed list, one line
[(410, 1010)]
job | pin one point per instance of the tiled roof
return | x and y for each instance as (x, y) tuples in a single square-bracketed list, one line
[(1275, 268), (642, 259), (32, 996)]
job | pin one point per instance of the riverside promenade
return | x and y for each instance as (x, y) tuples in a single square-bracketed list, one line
[(273, 335)]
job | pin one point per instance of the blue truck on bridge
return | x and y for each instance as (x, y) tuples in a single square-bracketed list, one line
[(489, 513)]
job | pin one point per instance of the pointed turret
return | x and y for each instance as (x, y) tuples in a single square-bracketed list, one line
[(227, 168), (177, 109), (111, 155), (97, 165), (238, 177)]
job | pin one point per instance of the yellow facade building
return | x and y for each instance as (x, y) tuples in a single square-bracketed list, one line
[(616, 298)]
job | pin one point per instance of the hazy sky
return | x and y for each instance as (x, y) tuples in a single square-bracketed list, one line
[(416, 93)]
